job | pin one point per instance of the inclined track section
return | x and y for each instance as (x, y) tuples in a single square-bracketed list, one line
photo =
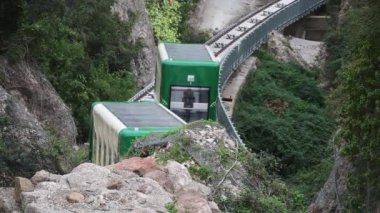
[(221, 44)]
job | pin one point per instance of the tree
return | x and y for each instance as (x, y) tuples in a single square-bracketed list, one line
[(360, 79)]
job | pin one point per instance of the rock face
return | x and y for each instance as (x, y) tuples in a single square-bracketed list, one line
[(22, 185), (23, 142), (7, 200), (145, 63), (92, 188), (279, 46), (29, 85), (31, 112), (331, 197)]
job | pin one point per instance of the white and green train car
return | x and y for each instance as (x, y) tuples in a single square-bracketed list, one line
[(116, 124)]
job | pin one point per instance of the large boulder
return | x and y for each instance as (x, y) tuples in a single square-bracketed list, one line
[(7, 200), (24, 144), (138, 165), (92, 188), (26, 82), (145, 63), (32, 118)]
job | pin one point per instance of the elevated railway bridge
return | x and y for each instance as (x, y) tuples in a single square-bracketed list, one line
[(229, 48)]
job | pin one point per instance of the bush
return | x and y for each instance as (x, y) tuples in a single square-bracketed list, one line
[(280, 111), (82, 48)]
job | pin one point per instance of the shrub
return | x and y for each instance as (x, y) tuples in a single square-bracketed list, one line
[(280, 112), (82, 48)]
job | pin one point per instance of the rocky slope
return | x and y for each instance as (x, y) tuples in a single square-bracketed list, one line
[(134, 185), (35, 124), (300, 51), (205, 168), (26, 82), (32, 116)]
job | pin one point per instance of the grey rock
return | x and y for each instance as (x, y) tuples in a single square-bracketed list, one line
[(125, 173), (197, 187), (178, 175), (161, 178), (22, 185), (30, 110), (214, 207), (85, 190), (279, 47), (23, 140), (27, 82), (145, 63), (192, 202), (43, 175), (332, 195), (7, 202)]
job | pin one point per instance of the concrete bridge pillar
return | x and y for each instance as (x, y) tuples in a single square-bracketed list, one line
[(312, 27)]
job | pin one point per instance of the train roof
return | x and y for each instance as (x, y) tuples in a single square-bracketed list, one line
[(143, 114), (185, 52)]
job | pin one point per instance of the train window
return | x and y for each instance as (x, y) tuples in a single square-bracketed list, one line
[(190, 103)]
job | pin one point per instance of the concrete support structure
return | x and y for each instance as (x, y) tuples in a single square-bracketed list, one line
[(312, 27)]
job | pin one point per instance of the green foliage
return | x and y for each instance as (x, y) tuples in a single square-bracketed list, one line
[(171, 207), (175, 152), (269, 193), (64, 155), (223, 153), (250, 201), (83, 50), (165, 19), (294, 128), (280, 112), (188, 34), (202, 172), (359, 79), (306, 182), (169, 21)]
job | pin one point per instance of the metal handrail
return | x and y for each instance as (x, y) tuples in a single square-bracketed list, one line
[(142, 92)]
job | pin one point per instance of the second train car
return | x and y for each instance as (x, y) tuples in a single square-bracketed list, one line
[(187, 80)]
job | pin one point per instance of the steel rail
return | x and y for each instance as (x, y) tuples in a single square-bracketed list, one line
[(146, 90)]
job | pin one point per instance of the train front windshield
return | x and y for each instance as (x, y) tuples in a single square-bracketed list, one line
[(190, 103)]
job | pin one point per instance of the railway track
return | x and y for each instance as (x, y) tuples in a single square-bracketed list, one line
[(223, 42), (146, 94), (237, 42)]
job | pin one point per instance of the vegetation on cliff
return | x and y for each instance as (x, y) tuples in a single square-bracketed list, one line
[(280, 111), (355, 68), (169, 20), (82, 48)]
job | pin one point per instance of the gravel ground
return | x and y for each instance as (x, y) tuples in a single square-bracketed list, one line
[(308, 50), (214, 15)]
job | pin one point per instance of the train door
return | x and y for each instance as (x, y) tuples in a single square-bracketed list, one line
[(190, 103)]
